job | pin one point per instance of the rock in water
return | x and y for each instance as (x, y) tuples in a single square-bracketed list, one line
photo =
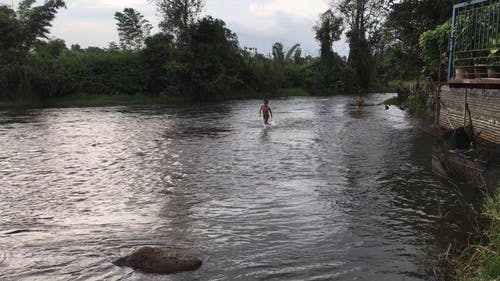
[(156, 260)]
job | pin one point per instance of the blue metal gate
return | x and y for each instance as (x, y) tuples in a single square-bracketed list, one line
[(475, 39)]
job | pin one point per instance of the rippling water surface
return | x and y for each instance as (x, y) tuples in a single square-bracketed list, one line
[(323, 194)]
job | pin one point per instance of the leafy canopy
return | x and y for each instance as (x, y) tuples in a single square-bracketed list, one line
[(133, 29), (328, 30), (178, 16), (34, 22)]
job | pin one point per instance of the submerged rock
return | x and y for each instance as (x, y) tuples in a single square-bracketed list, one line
[(156, 260)]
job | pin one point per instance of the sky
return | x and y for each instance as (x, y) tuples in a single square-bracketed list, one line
[(258, 23)]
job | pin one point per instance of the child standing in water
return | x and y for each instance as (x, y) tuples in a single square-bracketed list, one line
[(265, 112), (360, 103)]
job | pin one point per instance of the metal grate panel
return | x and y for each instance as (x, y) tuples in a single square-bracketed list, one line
[(475, 40)]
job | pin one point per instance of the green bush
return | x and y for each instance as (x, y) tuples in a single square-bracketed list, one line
[(98, 73), (434, 46)]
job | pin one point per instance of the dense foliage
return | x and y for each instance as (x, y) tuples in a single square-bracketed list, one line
[(434, 46), (178, 16), (329, 30), (133, 29), (200, 58), (21, 32), (402, 29)]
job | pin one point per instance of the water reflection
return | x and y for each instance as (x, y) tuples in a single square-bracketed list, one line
[(265, 135), (323, 194)]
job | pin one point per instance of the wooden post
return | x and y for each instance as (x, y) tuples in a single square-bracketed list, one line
[(438, 92), (465, 108), (438, 106), (471, 127)]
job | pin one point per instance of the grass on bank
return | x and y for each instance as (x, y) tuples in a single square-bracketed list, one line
[(293, 92), (392, 101), (139, 99), (96, 101), (93, 101), (382, 89), (284, 92), (478, 259), (482, 262)]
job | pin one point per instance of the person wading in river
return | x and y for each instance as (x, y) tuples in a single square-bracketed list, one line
[(360, 103), (266, 112)]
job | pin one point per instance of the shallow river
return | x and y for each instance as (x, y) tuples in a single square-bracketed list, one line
[(324, 194)]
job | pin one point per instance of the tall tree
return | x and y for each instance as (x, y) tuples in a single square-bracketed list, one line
[(178, 16), (364, 18), (34, 22), (133, 29), (160, 49), (9, 31), (209, 65), (328, 30), (23, 30)]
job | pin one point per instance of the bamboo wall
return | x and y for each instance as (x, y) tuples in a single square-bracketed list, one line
[(484, 105)]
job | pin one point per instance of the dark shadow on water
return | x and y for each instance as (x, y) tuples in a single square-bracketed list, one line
[(179, 132), (265, 135)]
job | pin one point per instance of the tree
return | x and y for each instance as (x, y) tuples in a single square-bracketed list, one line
[(51, 49), (113, 47), (297, 56), (364, 18), (434, 44), (178, 16), (293, 53), (133, 29), (215, 50), (278, 53), (281, 58), (328, 30), (281, 66), (21, 32), (34, 22), (406, 21), (8, 28), (158, 52), (76, 48)]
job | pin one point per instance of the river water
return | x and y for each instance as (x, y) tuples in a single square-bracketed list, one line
[(325, 193)]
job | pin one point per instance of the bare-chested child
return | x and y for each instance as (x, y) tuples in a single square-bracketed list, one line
[(266, 112), (360, 103)]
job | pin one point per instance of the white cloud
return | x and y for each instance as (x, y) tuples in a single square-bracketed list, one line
[(259, 23), (268, 17), (92, 23), (110, 4), (88, 33), (301, 8)]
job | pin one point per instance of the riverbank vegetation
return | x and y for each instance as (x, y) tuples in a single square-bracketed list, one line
[(196, 58), (482, 261), (392, 45), (478, 259)]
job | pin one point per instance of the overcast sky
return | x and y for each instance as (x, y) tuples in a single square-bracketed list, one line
[(258, 23)]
